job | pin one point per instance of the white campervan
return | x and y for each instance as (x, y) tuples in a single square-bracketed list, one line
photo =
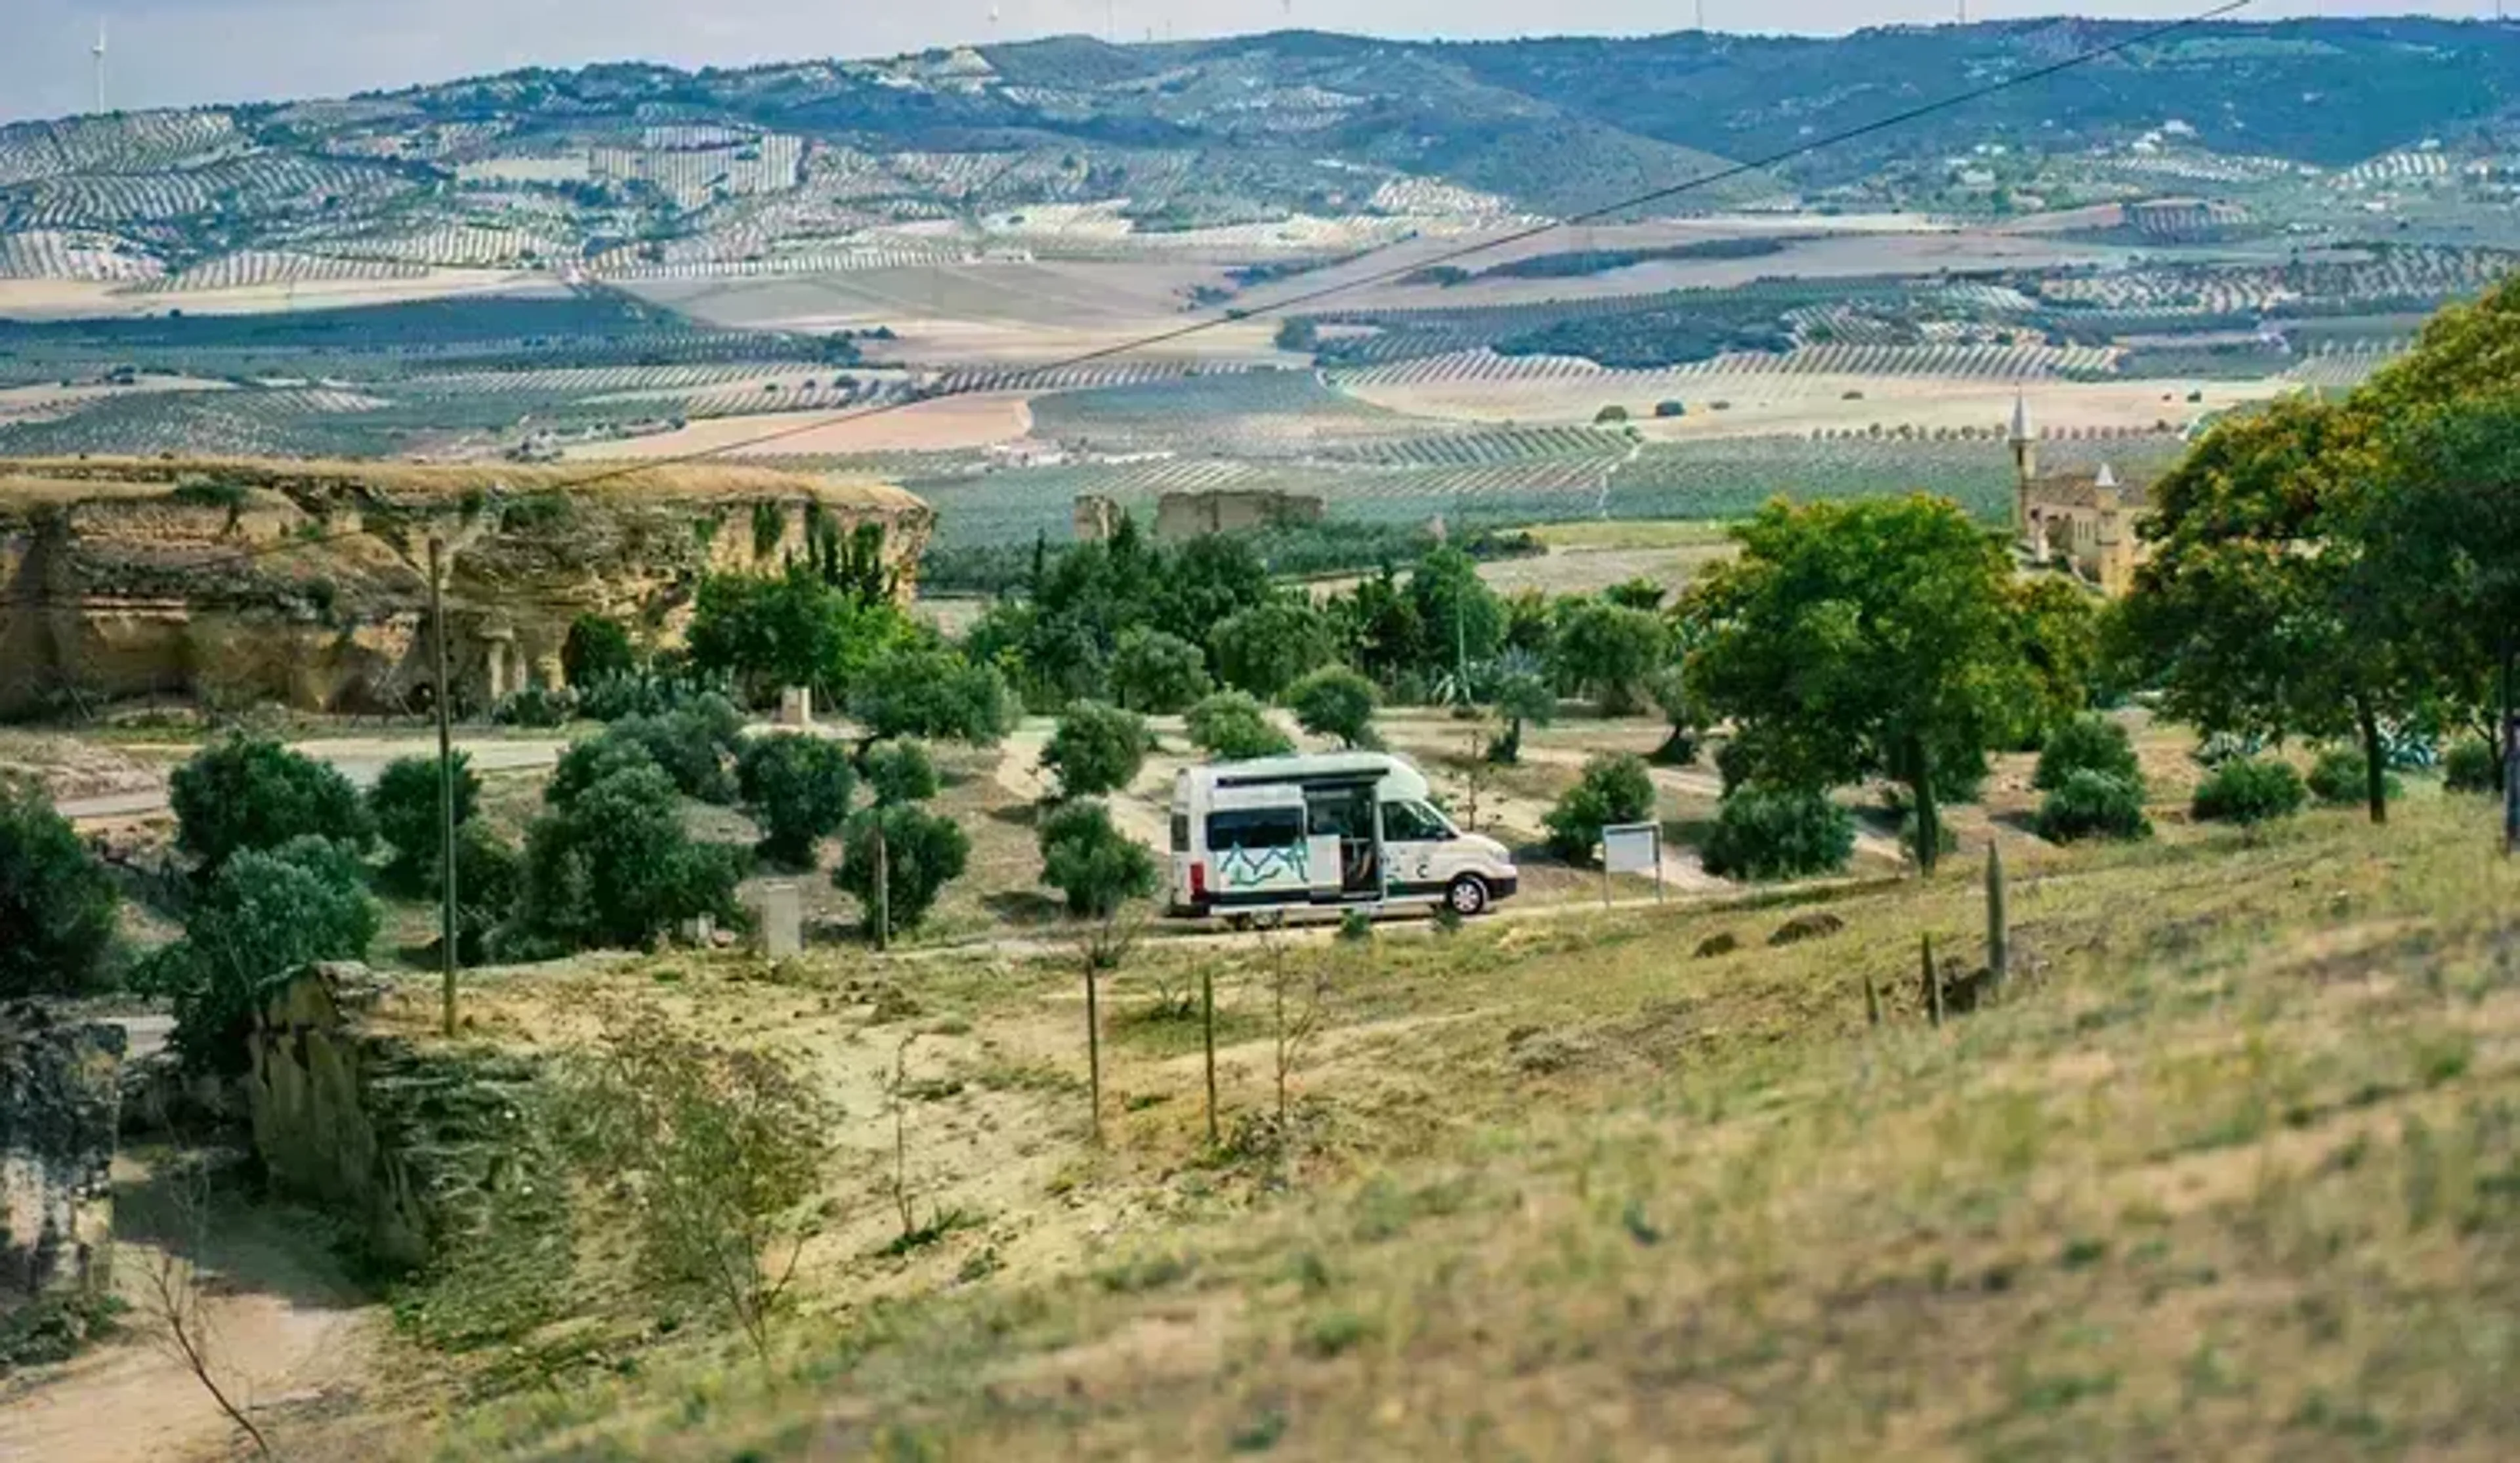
[(1343, 829)]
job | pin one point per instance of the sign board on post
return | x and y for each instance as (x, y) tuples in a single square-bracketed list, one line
[(1631, 849)]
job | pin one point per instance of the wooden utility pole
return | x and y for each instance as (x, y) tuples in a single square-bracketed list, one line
[(883, 888), (446, 779)]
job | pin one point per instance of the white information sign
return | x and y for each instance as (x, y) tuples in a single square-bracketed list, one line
[(1632, 847)]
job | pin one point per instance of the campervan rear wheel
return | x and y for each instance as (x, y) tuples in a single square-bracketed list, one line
[(1467, 894)]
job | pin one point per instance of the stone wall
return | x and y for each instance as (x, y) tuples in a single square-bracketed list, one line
[(59, 1103), (413, 1144)]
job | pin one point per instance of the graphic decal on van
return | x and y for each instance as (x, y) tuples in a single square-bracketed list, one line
[(1247, 868)]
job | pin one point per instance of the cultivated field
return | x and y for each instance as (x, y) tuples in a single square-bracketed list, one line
[(951, 422)]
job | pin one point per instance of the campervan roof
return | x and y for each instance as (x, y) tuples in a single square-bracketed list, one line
[(1399, 776)]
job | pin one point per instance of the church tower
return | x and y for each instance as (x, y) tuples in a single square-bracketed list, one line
[(2025, 463)]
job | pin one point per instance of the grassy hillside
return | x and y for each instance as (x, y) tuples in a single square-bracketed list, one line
[(2231, 1170)]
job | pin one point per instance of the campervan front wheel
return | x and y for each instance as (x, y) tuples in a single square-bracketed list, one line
[(1467, 894)]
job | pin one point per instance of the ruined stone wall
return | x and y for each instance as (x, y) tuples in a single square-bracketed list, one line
[(413, 1145), (1180, 517), (59, 1104)]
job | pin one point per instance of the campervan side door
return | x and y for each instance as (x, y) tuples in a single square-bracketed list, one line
[(1258, 850)]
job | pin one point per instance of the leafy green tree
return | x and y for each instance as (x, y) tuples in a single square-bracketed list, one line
[(1668, 687), (1234, 726), (1462, 618), (899, 771), (263, 915), (1092, 863), (248, 792), (930, 691), (1607, 652), (1639, 593), (2253, 614), (2470, 765), (2339, 776), (596, 650), (797, 788), (1158, 672), (2087, 803), (923, 852), (1520, 697), (58, 904), (1851, 639), (1615, 788), (490, 879), (691, 743), (2089, 743), (405, 807), (1778, 833), (2060, 640), (1335, 701), (793, 630), (1267, 648), (1096, 749), (612, 865)]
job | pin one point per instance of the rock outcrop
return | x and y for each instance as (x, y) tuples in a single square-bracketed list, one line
[(59, 1103), (243, 579)]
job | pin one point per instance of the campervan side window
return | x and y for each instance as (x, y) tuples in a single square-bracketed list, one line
[(1413, 823), (1255, 828)]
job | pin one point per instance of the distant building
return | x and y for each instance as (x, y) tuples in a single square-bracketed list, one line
[(1184, 516), (2082, 522)]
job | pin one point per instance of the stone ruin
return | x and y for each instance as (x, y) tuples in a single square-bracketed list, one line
[(61, 1100)]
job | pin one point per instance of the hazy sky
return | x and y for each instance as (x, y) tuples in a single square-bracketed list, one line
[(176, 52)]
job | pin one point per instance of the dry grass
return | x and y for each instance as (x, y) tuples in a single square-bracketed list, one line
[(2233, 1171)]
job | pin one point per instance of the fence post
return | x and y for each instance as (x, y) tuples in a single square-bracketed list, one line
[(1207, 1041), (1933, 982), (1999, 935), (1871, 1001)]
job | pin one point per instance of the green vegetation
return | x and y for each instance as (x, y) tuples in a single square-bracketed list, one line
[(246, 794), (1096, 749), (2249, 791), (2089, 743), (2339, 775), (1615, 788), (1095, 867), (899, 771), (931, 692), (596, 650), (1158, 672), (1234, 726), (407, 807), (1335, 701), (262, 915), (797, 788), (57, 905), (920, 853), (2088, 803), (1778, 833), (609, 863)]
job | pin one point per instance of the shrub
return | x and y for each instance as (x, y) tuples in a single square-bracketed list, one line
[(1520, 697), (690, 744), (611, 864), (1157, 673), (1334, 702), (1671, 409), (490, 879), (261, 917), (58, 904), (1094, 865), (1610, 650), (2248, 789), (1669, 689), (923, 852), (248, 793), (2337, 777), (1234, 726), (1608, 414), (797, 789), (404, 805), (1096, 749), (596, 650), (930, 691), (541, 707), (2092, 805), (2469, 765), (900, 771), (2088, 744), (1615, 788), (1269, 647), (1778, 833)]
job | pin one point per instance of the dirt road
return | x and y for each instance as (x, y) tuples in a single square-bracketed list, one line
[(361, 759)]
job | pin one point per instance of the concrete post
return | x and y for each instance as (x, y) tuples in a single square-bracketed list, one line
[(782, 922)]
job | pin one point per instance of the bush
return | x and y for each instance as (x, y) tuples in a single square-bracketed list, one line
[(1234, 726), (923, 852), (611, 864), (1269, 647), (2093, 804), (490, 879), (58, 904), (261, 917), (690, 744), (2469, 765), (1615, 788), (1520, 697), (1610, 414), (1096, 749), (2337, 777), (541, 707), (930, 691), (1335, 701), (1778, 833), (2088, 744), (1669, 689), (900, 772), (404, 805), (596, 650), (2247, 790), (1610, 651), (1094, 865), (249, 793), (1671, 408), (1157, 673), (797, 789)]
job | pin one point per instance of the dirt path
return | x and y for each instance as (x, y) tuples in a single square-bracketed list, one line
[(1142, 812), (285, 1332)]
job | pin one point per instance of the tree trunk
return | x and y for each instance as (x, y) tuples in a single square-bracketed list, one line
[(2376, 761), (1929, 829)]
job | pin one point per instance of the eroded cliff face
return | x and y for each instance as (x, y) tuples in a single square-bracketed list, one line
[(238, 580)]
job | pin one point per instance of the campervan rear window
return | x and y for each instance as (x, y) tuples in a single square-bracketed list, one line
[(1255, 828)]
